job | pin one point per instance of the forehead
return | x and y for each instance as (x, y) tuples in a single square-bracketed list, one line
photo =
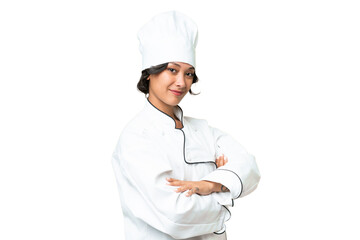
[(181, 65)]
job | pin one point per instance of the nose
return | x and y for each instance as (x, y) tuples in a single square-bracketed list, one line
[(180, 81)]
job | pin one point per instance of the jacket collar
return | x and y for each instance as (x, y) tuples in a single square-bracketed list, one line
[(159, 117)]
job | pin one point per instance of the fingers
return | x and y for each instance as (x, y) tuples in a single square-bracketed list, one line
[(192, 191), (183, 186), (221, 161), (173, 182), (182, 189), (171, 179)]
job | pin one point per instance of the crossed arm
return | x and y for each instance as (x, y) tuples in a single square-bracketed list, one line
[(200, 187)]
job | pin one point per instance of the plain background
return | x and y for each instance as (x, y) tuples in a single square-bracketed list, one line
[(281, 76)]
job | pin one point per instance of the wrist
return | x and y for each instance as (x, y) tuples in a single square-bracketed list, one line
[(220, 188), (217, 187)]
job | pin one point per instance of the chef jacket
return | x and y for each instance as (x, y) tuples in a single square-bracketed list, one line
[(151, 149)]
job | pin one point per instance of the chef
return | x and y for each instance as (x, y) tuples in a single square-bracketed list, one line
[(177, 176)]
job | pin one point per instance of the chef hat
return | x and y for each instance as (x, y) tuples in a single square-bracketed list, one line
[(168, 37)]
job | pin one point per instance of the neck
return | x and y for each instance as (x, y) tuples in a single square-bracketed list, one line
[(169, 110)]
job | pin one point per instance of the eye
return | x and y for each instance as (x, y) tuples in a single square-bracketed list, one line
[(190, 74), (172, 70)]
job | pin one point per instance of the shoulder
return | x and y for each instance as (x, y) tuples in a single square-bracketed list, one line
[(135, 129), (136, 123)]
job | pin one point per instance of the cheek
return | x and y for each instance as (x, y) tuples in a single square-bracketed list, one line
[(158, 85), (165, 81), (189, 83)]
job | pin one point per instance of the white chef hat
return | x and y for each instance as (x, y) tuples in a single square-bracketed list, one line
[(168, 37)]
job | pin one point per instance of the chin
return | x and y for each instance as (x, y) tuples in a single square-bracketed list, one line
[(174, 102)]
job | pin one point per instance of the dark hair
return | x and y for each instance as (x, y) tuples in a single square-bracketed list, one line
[(143, 84)]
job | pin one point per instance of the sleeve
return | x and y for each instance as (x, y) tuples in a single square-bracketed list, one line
[(241, 174), (141, 170)]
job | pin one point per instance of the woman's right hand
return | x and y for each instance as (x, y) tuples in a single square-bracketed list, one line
[(221, 161)]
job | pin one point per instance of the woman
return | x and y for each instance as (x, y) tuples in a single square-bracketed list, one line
[(176, 175)]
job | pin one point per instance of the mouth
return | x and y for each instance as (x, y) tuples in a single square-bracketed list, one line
[(176, 93)]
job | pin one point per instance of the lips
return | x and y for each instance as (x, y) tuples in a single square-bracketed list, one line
[(177, 93)]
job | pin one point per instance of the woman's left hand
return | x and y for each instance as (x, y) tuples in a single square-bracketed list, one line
[(199, 187)]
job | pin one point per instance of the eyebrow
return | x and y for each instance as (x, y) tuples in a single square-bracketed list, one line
[(180, 66)]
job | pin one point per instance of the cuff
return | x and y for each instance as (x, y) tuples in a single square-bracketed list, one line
[(227, 178), (223, 198)]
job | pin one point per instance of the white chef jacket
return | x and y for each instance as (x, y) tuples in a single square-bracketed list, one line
[(150, 149)]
